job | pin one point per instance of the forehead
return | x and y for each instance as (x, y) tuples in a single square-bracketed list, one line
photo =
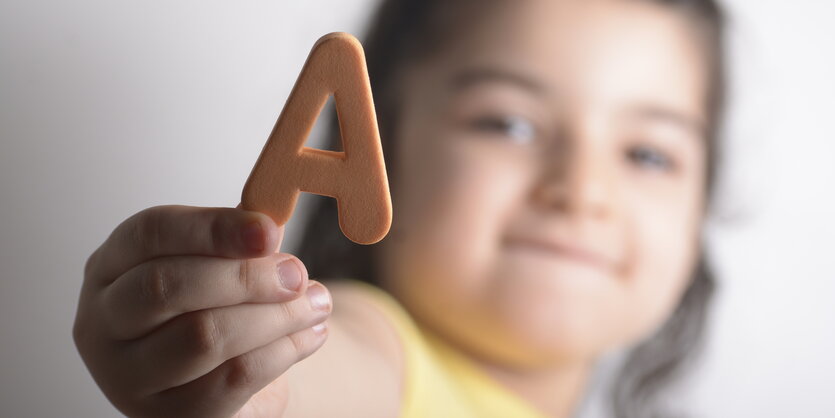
[(601, 51)]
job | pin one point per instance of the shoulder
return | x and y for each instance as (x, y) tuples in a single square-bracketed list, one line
[(360, 367), (365, 313)]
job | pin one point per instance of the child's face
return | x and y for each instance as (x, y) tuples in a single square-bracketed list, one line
[(549, 182)]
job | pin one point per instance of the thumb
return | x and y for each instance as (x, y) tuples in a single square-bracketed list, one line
[(272, 234)]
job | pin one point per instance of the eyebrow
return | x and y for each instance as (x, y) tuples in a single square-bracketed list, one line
[(471, 77), (693, 125), (474, 76)]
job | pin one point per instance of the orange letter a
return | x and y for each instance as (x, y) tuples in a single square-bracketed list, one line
[(356, 177)]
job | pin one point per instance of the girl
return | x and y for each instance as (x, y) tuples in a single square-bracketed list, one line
[(550, 163)]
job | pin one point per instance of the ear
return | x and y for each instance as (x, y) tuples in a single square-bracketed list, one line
[(356, 177)]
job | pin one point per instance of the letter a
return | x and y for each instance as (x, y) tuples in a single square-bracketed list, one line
[(356, 177)]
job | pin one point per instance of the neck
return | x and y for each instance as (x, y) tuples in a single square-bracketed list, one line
[(556, 391)]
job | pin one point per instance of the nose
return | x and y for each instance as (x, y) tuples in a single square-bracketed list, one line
[(576, 177)]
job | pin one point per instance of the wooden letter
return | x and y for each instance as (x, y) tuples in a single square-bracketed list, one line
[(356, 177)]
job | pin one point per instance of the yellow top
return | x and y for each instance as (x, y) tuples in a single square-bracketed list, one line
[(439, 381)]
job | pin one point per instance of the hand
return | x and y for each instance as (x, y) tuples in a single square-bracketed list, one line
[(189, 311)]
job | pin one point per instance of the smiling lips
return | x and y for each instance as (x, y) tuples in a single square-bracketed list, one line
[(559, 249)]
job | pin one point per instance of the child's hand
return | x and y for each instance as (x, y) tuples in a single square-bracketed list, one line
[(189, 312)]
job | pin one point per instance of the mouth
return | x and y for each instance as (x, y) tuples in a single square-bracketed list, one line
[(563, 251)]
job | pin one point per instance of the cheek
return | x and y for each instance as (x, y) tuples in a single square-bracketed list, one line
[(664, 237), (451, 202), (460, 202)]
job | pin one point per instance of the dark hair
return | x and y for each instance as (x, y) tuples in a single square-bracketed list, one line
[(407, 30)]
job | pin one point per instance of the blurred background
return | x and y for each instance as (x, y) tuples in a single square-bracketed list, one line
[(110, 107)]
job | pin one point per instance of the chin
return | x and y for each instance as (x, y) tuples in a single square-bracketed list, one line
[(560, 340), (536, 351), (552, 312)]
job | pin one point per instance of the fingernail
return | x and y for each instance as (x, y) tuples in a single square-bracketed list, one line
[(253, 236), (319, 328), (290, 275), (319, 298)]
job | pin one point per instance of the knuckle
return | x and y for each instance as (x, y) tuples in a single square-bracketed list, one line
[(244, 277), (203, 334), (298, 345), (145, 230), (306, 343), (154, 289), (243, 372), (79, 333), (286, 314), (160, 404), (128, 406), (217, 231), (90, 264)]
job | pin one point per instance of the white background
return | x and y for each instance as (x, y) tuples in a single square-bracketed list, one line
[(107, 107)]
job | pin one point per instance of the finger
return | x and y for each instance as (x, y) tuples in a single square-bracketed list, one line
[(193, 344), (227, 388), (183, 230), (269, 401), (156, 291)]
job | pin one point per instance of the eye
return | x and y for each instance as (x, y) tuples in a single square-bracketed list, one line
[(515, 128), (650, 158)]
